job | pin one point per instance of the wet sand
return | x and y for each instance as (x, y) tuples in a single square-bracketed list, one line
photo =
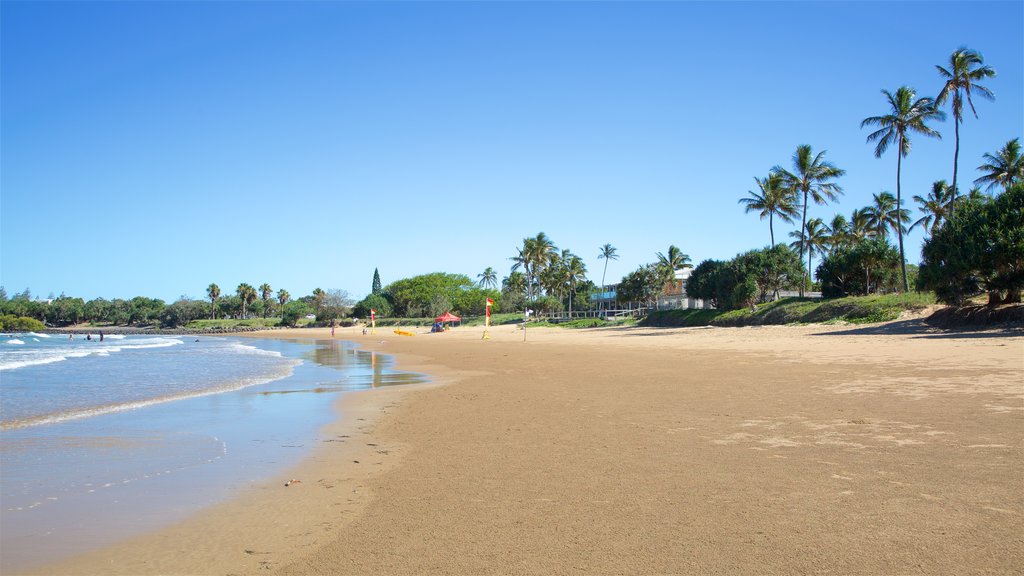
[(776, 450)]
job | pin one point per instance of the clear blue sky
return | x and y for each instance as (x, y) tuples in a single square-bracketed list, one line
[(153, 148)]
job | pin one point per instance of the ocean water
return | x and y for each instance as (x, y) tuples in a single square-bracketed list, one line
[(103, 440)]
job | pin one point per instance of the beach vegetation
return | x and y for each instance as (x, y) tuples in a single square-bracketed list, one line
[(872, 265), (907, 115), (608, 252), (12, 323), (375, 287), (267, 297), (183, 311), (373, 302), (775, 200), (962, 77), (294, 311), (934, 207), (852, 310), (1005, 168), (213, 293), (247, 294), (980, 249), (811, 179), (749, 279)]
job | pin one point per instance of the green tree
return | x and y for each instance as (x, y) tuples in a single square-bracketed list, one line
[(907, 114), (642, 285), (247, 294), (213, 293), (703, 281), (814, 240), (1004, 169), (607, 253), (851, 270), (934, 206), (670, 262), (376, 302), (884, 214), (293, 311), (283, 297), (838, 232), (534, 257), (375, 288), (774, 199), (267, 295), (966, 69), (860, 224), (513, 291), (488, 278), (810, 179), (981, 247)]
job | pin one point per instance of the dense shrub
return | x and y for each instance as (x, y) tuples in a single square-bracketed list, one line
[(980, 249)]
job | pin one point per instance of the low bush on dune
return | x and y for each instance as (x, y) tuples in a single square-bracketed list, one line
[(853, 309)]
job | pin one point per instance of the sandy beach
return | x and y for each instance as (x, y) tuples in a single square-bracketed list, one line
[(886, 449)]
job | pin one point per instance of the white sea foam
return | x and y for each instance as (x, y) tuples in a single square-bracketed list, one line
[(37, 335), (15, 341), (76, 414)]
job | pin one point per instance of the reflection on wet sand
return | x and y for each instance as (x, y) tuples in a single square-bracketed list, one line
[(344, 356)]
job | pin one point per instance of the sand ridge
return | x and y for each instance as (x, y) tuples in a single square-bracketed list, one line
[(770, 450)]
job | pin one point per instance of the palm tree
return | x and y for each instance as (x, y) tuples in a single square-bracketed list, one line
[(266, 293), (810, 178), (838, 233), (247, 294), (860, 224), (965, 70), (283, 297), (814, 239), (1006, 167), (884, 215), (607, 253), (906, 115), (934, 206), (514, 283), (668, 264), (576, 274), (488, 279), (536, 255), (213, 292), (774, 199)]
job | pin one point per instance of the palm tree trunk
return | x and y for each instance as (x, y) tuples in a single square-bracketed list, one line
[(771, 227), (605, 273), (803, 232), (956, 157), (899, 225)]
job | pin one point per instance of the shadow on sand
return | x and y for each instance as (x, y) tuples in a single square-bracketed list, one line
[(918, 328)]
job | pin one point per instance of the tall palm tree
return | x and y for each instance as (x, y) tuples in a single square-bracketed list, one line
[(283, 297), (669, 263), (935, 206), (814, 239), (966, 69), (774, 200), (607, 253), (266, 293), (907, 114), (810, 177), (488, 278), (213, 293), (1005, 168)]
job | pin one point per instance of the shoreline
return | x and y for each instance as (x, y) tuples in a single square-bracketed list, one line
[(506, 470)]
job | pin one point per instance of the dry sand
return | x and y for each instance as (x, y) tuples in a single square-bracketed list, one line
[(771, 450)]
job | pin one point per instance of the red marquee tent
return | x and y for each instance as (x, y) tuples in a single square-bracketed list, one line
[(447, 317)]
